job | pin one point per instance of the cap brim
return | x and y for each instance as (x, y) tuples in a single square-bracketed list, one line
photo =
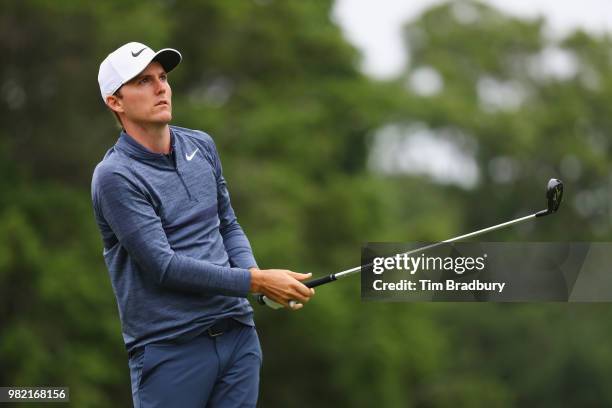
[(169, 58)]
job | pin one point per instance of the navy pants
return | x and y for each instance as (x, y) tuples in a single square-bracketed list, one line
[(221, 371)]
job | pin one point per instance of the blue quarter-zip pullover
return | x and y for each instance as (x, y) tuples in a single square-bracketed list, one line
[(176, 255)]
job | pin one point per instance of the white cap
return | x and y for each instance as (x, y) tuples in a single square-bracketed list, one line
[(130, 60)]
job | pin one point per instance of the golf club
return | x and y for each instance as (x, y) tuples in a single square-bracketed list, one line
[(554, 195)]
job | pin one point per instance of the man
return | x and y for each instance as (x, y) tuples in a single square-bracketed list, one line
[(179, 262)]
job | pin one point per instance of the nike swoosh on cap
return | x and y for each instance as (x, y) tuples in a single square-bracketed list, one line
[(190, 156), (135, 54)]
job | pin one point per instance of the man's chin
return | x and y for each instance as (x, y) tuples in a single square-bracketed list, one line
[(162, 119)]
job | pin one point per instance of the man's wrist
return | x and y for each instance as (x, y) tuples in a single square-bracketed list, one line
[(256, 279)]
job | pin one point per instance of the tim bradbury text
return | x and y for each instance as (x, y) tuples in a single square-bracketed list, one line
[(429, 285)]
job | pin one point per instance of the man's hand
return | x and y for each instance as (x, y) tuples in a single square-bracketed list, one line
[(281, 286)]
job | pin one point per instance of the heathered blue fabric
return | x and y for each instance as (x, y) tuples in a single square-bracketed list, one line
[(176, 255)]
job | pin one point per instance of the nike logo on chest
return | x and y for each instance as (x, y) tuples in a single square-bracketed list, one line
[(191, 156)]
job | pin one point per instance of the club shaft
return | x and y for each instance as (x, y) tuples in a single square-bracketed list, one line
[(339, 275), (357, 269)]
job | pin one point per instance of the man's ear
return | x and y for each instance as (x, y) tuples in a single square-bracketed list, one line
[(114, 103)]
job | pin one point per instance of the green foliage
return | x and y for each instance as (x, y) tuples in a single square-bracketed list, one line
[(58, 315), (277, 87)]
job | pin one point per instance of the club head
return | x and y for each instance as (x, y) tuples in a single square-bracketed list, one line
[(554, 194)]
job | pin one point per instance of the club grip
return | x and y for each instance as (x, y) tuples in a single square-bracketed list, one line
[(263, 300), (320, 281)]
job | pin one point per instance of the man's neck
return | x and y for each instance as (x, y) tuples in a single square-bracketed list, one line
[(154, 138)]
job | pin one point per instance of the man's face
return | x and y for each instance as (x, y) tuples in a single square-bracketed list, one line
[(147, 98)]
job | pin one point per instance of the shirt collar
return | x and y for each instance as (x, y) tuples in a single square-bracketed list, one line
[(131, 147)]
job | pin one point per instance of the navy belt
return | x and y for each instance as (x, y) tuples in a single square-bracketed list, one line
[(223, 326)]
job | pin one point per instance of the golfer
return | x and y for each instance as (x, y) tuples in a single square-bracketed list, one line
[(179, 263)]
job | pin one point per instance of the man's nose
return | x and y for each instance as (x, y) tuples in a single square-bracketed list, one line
[(160, 86)]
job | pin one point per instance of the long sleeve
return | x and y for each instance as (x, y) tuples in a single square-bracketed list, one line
[(235, 240), (138, 228)]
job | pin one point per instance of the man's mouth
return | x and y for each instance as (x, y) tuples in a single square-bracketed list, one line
[(161, 103)]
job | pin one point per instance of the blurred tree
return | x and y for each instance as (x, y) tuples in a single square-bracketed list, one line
[(533, 106)]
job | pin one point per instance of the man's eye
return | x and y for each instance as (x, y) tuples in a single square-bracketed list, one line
[(163, 78), (143, 81)]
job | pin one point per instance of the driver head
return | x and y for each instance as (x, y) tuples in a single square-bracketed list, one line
[(554, 194)]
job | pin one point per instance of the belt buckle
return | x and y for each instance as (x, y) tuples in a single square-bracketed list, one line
[(212, 333)]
